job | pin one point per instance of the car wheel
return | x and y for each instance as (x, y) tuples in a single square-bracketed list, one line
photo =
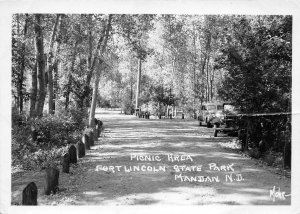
[(215, 133), (209, 125)]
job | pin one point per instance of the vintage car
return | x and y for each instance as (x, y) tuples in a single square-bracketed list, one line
[(227, 120), (208, 112)]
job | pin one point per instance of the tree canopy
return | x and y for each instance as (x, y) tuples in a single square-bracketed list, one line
[(187, 60)]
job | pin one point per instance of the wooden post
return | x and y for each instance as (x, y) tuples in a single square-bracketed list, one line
[(91, 138), (51, 185), (85, 140), (73, 154), (98, 130), (80, 149), (66, 163), (29, 194)]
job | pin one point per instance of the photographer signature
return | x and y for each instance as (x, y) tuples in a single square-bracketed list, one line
[(275, 193)]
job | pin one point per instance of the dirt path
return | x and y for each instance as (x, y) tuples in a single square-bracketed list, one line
[(128, 135)]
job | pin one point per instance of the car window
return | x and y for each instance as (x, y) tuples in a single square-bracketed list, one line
[(229, 107), (219, 107), (211, 107)]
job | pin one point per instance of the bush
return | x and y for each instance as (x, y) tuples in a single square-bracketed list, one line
[(87, 131), (53, 134), (152, 107), (74, 137), (59, 129), (128, 107), (254, 153), (30, 154), (270, 158), (52, 130), (268, 137), (21, 144), (42, 159), (17, 119)]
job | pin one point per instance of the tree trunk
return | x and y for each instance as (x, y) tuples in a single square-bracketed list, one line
[(33, 91), (94, 98), (212, 76), (39, 40), (204, 63), (194, 74), (103, 39), (131, 84), (67, 94), (86, 92), (50, 91), (55, 85), (138, 82), (131, 91), (22, 69), (207, 81), (99, 65), (50, 65)]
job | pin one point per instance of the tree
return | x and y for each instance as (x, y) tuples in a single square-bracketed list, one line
[(100, 63), (19, 59), (258, 61), (52, 62), (134, 29), (40, 58)]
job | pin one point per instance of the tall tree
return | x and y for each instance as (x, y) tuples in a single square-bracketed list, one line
[(100, 63), (39, 42), (52, 62), (135, 28)]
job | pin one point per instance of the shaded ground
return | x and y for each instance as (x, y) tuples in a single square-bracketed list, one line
[(126, 135)]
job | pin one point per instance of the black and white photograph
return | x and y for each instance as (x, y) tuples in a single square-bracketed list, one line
[(152, 107)]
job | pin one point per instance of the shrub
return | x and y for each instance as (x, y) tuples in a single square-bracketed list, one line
[(87, 131), (42, 159), (21, 144), (269, 158), (269, 137), (74, 137), (254, 153), (18, 119), (55, 130), (153, 107)]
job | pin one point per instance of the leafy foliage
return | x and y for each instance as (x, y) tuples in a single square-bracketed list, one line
[(53, 134), (258, 61), (42, 159), (186, 60)]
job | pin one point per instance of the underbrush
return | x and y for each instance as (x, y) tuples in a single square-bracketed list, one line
[(269, 158), (40, 142)]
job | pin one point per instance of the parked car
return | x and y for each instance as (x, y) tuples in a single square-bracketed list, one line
[(208, 112), (227, 120)]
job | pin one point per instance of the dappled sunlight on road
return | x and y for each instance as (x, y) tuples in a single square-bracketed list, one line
[(126, 135), (238, 180)]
